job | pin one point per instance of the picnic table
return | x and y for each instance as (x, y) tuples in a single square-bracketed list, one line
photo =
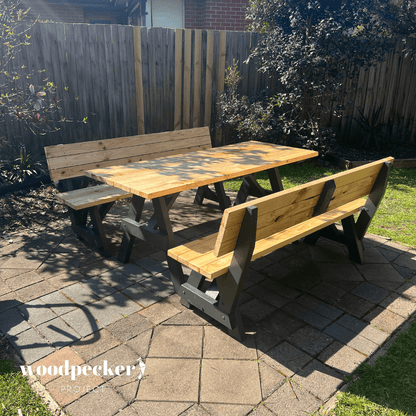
[(162, 179)]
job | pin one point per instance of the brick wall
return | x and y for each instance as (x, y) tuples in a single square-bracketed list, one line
[(216, 14)]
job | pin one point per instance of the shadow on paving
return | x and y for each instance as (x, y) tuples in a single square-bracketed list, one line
[(311, 316)]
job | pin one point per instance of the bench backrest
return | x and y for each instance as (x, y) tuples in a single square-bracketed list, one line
[(282, 210), (67, 161)]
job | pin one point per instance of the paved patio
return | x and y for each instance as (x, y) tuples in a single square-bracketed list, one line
[(311, 316)]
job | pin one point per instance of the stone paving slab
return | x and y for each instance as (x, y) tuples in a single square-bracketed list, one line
[(292, 400), (103, 402), (230, 381), (170, 379), (286, 359), (311, 317)]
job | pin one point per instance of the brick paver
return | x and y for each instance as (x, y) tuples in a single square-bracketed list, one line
[(58, 333), (311, 317), (12, 322)]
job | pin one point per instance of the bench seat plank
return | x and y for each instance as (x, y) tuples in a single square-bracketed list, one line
[(199, 255), (200, 134), (72, 160), (88, 207), (92, 196), (272, 217)]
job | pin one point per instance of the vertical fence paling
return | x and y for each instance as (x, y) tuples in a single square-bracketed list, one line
[(133, 80)]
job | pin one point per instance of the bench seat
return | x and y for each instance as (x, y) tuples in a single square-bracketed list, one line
[(93, 195), (199, 255), (258, 227), (68, 163)]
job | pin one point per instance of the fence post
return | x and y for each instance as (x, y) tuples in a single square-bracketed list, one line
[(138, 70), (221, 77)]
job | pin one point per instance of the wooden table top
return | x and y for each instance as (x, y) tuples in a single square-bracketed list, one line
[(168, 175)]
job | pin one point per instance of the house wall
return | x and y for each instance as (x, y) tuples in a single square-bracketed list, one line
[(216, 14), (98, 16), (165, 13), (54, 12), (62, 12)]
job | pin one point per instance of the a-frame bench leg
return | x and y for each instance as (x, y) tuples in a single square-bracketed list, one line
[(96, 217), (354, 231), (224, 308), (321, 207), (93, 233), (353, 243), (135, 213)]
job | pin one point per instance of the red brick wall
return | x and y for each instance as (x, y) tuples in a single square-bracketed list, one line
[(216, 14)]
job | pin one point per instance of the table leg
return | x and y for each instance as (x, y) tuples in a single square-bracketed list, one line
[(163, 221), (219, 195), (158, 230), (275, 180), (250, 186), (127, 243)]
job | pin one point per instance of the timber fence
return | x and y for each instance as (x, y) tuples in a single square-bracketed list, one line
[(132, 80)]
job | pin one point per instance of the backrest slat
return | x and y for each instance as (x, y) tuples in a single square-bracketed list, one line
[(72, 160), (285, 209)]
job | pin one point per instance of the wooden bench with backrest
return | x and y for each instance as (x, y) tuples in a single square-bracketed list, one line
[(256, 228), (68, 163)]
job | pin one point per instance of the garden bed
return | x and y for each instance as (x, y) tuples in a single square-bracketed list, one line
[(347, 157)]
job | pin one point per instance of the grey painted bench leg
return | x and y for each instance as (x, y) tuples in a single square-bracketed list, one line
[(354, 244), (93, 233), (97, 226), (354, 231), (158, 231), (224, 307), (127, 242), (373, 200), (321, 207)]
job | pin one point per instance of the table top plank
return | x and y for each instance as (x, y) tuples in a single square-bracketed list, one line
[(167, 175)]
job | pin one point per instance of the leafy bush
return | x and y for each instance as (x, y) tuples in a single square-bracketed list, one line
[(371, 131), (311, 46), (32, 106), (246, 118), (16, 165)]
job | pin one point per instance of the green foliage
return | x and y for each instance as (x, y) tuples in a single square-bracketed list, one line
[(32, 106), (354, 405), (395, 217), (386, 388), (292, 175), (248, 118), (16, 394), (391, 381), (16, 164), (371, 130), (311, 46)]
